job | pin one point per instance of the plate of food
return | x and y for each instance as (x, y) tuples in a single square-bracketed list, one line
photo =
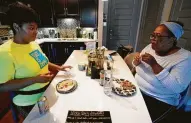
[(66, 86), (123, 87)]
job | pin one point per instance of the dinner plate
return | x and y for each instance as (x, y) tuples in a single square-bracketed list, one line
[(66, 86), (123, 87)]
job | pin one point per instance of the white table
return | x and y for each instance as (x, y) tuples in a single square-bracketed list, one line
[(89, 96)]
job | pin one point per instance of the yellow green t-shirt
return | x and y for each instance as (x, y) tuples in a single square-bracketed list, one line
[(22, 61)]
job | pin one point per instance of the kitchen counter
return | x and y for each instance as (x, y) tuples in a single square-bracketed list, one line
[(40, 41), (2, 42), (59, 49)]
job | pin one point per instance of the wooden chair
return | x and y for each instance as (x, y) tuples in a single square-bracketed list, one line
[(124, 50), (129, 59)]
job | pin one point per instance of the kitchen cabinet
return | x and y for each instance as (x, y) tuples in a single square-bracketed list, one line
[(46, 13), (5, 3), (3, 18), (66, 8), (3, 9), (42, 7), (49, 51), (44, 10), (59, 52), (72, 7), (88, 13), (64, 49)]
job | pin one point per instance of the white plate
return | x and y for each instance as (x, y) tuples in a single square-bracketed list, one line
[(66, 87), (118, 89)]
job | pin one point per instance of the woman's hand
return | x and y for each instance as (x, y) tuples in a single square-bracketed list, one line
[(137, 60), (149, 59), (63, 68), (44, 78)]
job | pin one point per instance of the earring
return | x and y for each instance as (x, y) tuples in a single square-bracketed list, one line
[(16, 27)]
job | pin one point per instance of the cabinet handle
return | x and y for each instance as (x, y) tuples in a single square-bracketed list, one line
[(52, 20), (64, 11), (65, 50), (55, 52)]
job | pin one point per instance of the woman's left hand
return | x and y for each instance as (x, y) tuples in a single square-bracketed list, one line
[(149, 59), (63, 68)]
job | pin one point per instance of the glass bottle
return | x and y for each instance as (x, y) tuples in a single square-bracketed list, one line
[(108, 83)]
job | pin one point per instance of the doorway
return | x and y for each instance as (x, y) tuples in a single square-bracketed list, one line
[(123, 19)]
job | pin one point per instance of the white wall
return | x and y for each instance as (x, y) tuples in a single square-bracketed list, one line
[(164, 17), (100, 22), (166, 10), (142, 13)]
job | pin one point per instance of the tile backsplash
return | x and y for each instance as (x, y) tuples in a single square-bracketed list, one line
[(67, 27), (4, 30)]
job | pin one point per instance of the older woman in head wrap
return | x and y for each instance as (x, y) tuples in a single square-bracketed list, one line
[(163, 69)]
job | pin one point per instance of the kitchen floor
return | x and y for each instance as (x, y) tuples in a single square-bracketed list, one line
[(9, 119)]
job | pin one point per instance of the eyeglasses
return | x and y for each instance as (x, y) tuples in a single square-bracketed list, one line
[(157, 36)]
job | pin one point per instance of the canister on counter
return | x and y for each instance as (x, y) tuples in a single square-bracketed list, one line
[(43, 105), (81, 66), (102, 77)]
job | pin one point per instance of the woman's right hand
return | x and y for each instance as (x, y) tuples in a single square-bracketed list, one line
[(137, 60), (44, 78)]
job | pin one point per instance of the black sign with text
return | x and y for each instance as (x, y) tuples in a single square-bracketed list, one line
[(88, 117)]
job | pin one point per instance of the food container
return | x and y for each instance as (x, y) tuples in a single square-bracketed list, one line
[(43, 105), (81, 67)]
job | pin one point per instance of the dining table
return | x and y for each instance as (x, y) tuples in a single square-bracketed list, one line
[(89, 95)]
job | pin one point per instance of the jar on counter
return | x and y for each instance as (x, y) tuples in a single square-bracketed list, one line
[(84, 34), (95, 34), (102, 77), (78, 32)]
